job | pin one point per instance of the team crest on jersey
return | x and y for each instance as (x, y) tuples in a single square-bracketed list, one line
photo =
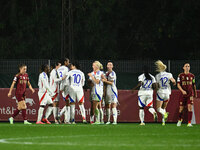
[(183, 77), (187, 78)]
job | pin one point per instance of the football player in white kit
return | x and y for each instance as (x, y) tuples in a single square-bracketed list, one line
[(97, 91), (55, 80), (111, 99), (163, 79), (64, 88), (76, 83), (147, 84), (45, 95)]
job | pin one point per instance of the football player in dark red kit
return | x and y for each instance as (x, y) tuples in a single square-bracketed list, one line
[(186, 84), (21, 80)]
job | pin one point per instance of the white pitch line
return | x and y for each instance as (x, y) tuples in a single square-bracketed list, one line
[(15, 141)]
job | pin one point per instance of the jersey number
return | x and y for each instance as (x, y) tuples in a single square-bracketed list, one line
[(164, 81), (147, 85), (61, 75), (77, 78)]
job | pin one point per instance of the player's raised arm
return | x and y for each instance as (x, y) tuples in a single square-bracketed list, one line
[(11, 88)]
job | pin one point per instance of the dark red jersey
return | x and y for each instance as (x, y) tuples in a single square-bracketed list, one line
[(187, 82), (21, 81)]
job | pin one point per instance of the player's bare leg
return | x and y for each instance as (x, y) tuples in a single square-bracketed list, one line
[(55, 111), (96, 111)]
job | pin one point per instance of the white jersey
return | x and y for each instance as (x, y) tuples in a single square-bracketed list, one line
[(163, 79), (55, 81), (111, 77), (62, 71), (43, 83), (76, 79), (97, 88), (146, 87)]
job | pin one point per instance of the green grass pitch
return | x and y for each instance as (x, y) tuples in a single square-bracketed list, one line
[(99, 137)]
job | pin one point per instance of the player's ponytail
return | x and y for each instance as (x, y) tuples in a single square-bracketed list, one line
[(99, 65), (160, 66), (146, 73)]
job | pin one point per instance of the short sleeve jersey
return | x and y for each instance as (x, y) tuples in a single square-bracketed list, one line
[(163, 79), (21, 81), (186, 81), (146, 87)]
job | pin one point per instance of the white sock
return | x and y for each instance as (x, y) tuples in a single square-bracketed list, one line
[(141, 115), (152, 110), (114, 111), (97, 115), (55, 112), (40, 113), (67, 114), (160, 110), (72, 108), (82, 108), (48, 112), (101, 115), (92, 118), (108, 114), (62, 111)]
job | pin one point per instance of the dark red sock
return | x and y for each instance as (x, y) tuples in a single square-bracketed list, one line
[(24, 114), (189, 116), (180, 116), (16, 112)]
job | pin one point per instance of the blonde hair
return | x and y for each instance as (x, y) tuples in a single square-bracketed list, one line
[(99, 65), (160, 66)]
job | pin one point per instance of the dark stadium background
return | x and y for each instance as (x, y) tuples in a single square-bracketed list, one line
[(125, 30)]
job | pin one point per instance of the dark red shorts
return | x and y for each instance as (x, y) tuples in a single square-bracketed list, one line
[(20, 97), (185, 100)]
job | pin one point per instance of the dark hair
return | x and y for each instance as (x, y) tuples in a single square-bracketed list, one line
[(57, 63), (186, 63), (76, 64), (20, 66), (63, 60), (146, 72), (43, 67)]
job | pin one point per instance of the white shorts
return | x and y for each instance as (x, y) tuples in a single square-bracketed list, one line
[(145, 100), (96, 97), (111, 98), (162, 96), (56, 97), (44, 98), (65, 93), (76, 96)]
